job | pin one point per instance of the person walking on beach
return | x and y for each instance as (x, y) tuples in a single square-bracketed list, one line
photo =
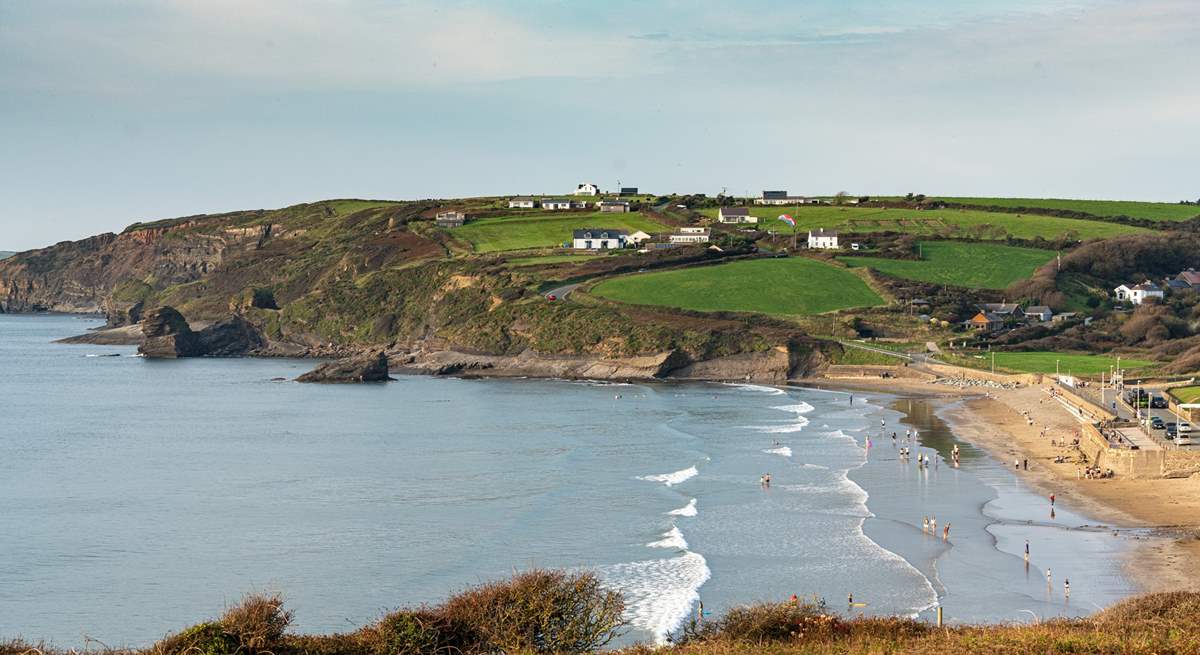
[(1052, 500), (925, 525), (946, 533), (1026, 551), (933, 524), (1067, 587)]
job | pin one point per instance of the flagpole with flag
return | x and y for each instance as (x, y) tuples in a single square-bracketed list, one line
[(790, 221)]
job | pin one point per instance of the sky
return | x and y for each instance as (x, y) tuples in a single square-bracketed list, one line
[(117, 111)]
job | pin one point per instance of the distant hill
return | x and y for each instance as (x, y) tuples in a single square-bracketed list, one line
[(5, 254)]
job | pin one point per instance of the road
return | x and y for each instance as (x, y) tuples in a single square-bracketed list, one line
[(1108, 396), (562, 292)]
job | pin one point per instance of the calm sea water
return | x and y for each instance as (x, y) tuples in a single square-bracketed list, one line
[(138, 496)]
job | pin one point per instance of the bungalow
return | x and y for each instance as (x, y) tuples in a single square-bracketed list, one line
[(822, 238), (691, 235), (782, 198), (615, 206), (736, 215), (554, 204), (449, 219), (985, 321), (1039, 313), (628, 191), (1139, 293), (522, 203), (587, 189), (579, 204), (638, 238), (599, 239)]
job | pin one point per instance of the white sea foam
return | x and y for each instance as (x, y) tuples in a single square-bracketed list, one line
[(659, 594), (758, 387), (782, 450), (800, 407), (672, 538), (814, 466), (672, 479), (686, 510)]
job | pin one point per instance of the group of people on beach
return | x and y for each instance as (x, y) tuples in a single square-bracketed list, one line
[(1092, 473), (764, 480), (929, 526)]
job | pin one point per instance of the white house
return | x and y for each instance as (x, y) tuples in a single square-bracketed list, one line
[(615, 206), (522, 203), (822, 238), (735, 215), (599, 239), (691, 235), (782, 198), (587, 189), (1138, 294), (1040, 313), (638, 238), (555, 203), (450, 219)]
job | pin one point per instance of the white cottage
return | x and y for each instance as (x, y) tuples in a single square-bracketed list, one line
[(522, 203), (735, 215), (553, 204), (691, 235), (823, 238), (595, 238), (587, 189), (1138, 293)]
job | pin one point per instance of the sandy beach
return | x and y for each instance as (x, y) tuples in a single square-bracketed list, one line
[(993, 420)]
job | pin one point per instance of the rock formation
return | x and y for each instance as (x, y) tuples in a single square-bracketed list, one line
[(368, 367), (166, 334)]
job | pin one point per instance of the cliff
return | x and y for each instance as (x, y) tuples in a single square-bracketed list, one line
[(342, 277)]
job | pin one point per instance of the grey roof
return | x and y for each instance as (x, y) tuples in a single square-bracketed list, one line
[(1038, 309), (735, 211), (599, 233), (546, 200), (774, 195), (522, 199), (629, 189), (1178, 284), (1147, 286), (614, 202), (1000, 307)]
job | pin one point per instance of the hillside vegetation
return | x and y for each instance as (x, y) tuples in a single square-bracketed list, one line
[(1155, 211), (783, 287), (971, 265), (557, 613), (944, 223), (539, 229)]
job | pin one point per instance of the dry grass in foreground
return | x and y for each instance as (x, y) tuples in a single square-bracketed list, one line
[(548, 612)]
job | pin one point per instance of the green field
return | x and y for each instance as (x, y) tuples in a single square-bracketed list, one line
[(1155, 211), (545, 229), (942, 222), (1186, 394), (971, 265), (787, 287), (1068, 363)]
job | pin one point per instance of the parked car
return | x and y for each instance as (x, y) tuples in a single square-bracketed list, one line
[(1184, 427), (1158, 402), (1156, 423), (1172, 430)]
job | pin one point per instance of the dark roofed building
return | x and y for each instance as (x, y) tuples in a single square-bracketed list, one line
[(597, 238), (629, 191), (775, 195)]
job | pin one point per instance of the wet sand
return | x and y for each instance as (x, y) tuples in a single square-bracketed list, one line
[(1168, 554)]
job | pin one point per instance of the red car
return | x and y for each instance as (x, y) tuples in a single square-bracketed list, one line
[(551, 297)]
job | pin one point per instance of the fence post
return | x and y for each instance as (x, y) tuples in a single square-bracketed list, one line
[(939, 616)]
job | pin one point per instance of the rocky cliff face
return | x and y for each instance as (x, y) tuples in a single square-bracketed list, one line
[(79, 276), (166, 334)]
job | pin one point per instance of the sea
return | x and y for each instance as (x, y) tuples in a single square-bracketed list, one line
[(140, 496)]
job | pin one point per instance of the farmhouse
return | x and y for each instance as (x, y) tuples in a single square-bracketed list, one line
[(822, 238), (599, 239), (1005, 310), (553, 204), (449, 219), (522, 203), (736, 215), (691, 235), (615, 206), (1139, 293), (587, 189)]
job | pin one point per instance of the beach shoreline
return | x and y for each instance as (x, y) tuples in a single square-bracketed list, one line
[(1167, 559)]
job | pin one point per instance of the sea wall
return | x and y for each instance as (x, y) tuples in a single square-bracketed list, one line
[(1137, 464), (876, 370)]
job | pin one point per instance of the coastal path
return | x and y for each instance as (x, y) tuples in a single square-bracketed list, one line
[(562, 292)]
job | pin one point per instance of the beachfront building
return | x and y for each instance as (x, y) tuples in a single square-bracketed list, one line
[(613, 206), (686, 235), (450, 219), (522, 203), (822, 238), (735, 215), (599, 239), (587, 189), (1138, 293), (556, 204)]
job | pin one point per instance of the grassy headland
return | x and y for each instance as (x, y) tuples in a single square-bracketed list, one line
[(539, 229), (971, 265), (1155, 211)]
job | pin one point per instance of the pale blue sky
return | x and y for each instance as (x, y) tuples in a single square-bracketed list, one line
[(114, 111)]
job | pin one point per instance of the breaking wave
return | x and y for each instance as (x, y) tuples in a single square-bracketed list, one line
[(686, 510), (672, 538), (659, 594), (672, 479)]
